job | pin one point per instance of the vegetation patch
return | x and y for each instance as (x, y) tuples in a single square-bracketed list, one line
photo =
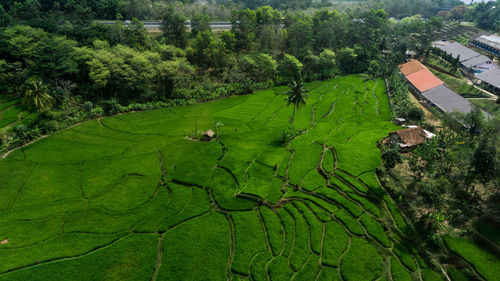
[(240, 206)]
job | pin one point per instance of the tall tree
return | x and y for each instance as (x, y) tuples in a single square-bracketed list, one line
[(484, 161), (199, 24), (297, 96), (300, 38), (174, 27), (290, 69), (244, 27), (37, 96)]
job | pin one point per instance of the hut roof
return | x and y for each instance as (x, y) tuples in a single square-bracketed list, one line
[(209, 133), (412, 136)]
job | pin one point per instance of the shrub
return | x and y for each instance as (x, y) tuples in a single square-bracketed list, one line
[(88, 106), (416, 114), (111, 106)]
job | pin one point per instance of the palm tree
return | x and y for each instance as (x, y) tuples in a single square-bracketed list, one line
[(297, 96), (37, 96)]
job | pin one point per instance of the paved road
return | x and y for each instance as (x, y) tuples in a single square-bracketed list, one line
[(156, 24)]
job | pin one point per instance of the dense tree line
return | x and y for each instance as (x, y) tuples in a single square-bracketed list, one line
[(124, 62), (485, 14)]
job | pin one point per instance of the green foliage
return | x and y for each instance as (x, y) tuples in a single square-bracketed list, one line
[(258, 67), (391, 157), (361, 262), (399, 272), (290, 69), (483, 261), (416, 114), (199, 24), (375, 229), (209, 232), (347, 60), (216, 206), (484, 161), (334, 244), (300, 38), (173, 27)]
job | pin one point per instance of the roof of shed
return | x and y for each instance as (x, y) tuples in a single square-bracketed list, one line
[(475, 61), (491, 77), (424, 80), (411, 67), (456, 49), (447, 100), (490, 40), (412, 136)]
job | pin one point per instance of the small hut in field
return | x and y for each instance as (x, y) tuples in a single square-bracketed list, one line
[(208, 135), (410, 137)]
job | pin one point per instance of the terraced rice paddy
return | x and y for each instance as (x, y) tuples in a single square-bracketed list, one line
[(130, 198), (12, 114)]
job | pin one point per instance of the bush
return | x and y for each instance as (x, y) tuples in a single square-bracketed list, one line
[(391, 157), (416, 114), (88, 106), (111, 106)]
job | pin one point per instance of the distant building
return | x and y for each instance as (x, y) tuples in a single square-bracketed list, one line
[(445, 100), (470, 60), (432, 90), (487, 42), (490, 80), (420, 78)]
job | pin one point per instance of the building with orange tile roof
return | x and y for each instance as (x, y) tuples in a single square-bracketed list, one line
[(424, 80), (411, 67)]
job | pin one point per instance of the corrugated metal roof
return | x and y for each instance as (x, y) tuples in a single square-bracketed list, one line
[(411, 67), (424, 80), (490, 40), (447, 100), (475, 61), (491, 77), (456, 49)]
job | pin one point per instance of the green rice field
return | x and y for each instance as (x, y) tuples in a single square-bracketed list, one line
[(129, 197), (13, 114)]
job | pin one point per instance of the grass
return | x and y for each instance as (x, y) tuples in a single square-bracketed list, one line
[(483, 261), (275, 231), (335, 243), (13, 114), (250, 240), (375, 229), (459, 86), (200, 236), (399, 272), (301, 249), (435, 61), (350, 222), (315, 227), (490, 106), (361, 262), (105, 199)]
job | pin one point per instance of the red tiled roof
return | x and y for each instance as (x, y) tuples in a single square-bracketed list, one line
[(424, 80), (411, 67)]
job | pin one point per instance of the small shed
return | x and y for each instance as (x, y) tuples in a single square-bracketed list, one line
[(208, 135), (399, 121), (410, 137)]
